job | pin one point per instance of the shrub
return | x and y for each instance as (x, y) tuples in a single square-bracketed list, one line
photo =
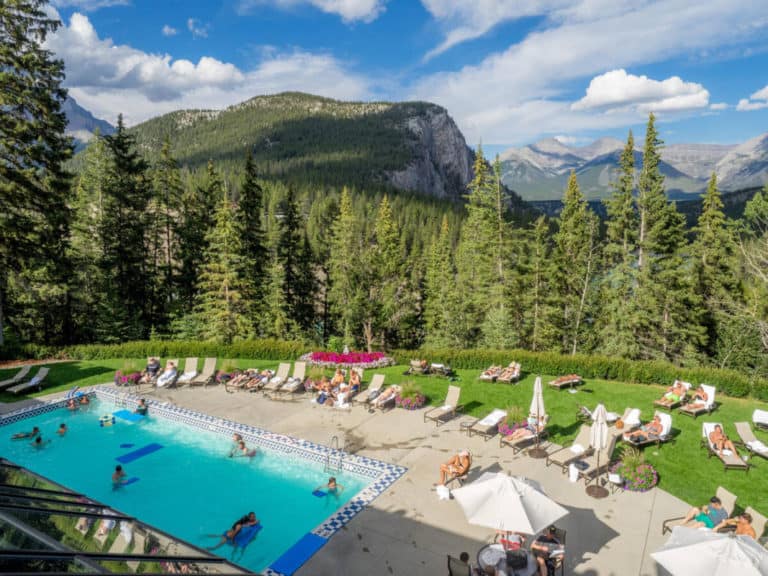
[(637, 474), (410, 397)]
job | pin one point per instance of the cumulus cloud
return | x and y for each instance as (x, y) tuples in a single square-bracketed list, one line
[(349, 10), (719, 106), (197, 30), (169, 30), (757, 101), (109, 78), (89, 5), (617, 89)]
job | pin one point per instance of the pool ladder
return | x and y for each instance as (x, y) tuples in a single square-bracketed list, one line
[(335, 456)]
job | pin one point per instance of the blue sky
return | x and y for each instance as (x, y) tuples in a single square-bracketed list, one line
[(510, 72)]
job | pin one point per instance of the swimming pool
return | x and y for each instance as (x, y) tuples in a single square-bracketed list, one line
[(189, 486)]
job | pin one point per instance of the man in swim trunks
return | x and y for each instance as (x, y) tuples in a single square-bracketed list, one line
[(118, 477), (653, 428), (743, 525), (62, 429), (142, 407), (707, 516), (720, 441), (674, 394), (458, 465), (19, 435), (229, 536)]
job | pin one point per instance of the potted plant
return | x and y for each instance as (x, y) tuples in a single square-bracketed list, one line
[(129, 374), (637, 474), (512, 422), (410, 396)]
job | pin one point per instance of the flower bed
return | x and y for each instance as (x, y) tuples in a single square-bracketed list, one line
[(128, 379), (412, 402), (640, 478), (350, 359)]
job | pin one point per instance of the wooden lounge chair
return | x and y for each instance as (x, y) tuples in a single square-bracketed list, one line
[(449, 408), (491, 373), (593, 469), (665, 436), (365, 396), (750, 441), (727, 499), (18, 377), (697, 408), (579, 448), (35, 382), (418, 367), (205, 377), (190, 372), (488, 426), (278, 379), (519, 444), (760, 419), (730, 460), (585, 415), (296, 382), (568, 381), (672, 405), (510, 374)]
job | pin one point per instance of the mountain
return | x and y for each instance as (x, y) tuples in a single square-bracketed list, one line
[(81, 124), (296, 137), (539, 172)]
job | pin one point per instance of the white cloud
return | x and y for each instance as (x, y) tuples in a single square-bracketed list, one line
[(108, 78), (719, 106), (89, 5), (169, 30), (757, 101), (536, 75), (617, 89), (349, 10), (198, 31)]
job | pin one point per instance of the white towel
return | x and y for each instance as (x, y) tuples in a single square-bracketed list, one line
[(493, 418), (577, 449), (443, 493), (187, 376), (757, 446)]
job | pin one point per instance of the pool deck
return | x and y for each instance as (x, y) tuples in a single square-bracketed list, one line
[(408, 530)]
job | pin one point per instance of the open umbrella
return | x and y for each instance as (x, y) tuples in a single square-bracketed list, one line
[(503, 502), (707, 553), (537, 411), (598, 439)]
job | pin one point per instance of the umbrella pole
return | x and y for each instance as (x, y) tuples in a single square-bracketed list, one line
[(595, 490), (537, 452)]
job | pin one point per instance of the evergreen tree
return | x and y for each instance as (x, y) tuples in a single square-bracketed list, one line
[(652, 199), (224, 304), (34, 185), (250, 212), (275, 322), (440, 291), (344, 268)]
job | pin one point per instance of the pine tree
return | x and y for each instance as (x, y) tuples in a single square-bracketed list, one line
[(440, 291), (250, 212), (343, 267), (275, 322), (34, 184), (223, 302)]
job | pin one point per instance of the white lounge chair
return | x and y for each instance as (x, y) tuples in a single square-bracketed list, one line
[(563, 456), (374, 388), (295, 382), (760, 419), (664, 436), (278, 379), (449, 408), (190, 372), (750, 441), (488, 426), (35, 382), (730, 460), (696, 408)]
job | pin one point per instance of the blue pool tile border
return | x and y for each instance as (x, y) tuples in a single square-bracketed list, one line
[(381, 474)]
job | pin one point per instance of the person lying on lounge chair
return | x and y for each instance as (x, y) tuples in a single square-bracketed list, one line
[(387, 396), (168, 375), (531, 428), (654, 427), (674, 394), (720, 441), (259, 380), (707, 516), (743, 525), (458, 465), (699, 399)]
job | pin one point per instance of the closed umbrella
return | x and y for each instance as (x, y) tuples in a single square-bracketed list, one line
[(707, 553), (503, 502), (537, 411), (598, 440)]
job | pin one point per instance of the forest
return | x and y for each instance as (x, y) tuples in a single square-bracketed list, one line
[(130, 243)]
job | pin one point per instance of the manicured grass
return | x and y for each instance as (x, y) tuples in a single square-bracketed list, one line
[(684, 468)]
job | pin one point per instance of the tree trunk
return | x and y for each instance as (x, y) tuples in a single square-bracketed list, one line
[(368, 333)]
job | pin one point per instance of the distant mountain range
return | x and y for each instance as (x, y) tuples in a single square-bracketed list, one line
[(81, 124), (540, 171)]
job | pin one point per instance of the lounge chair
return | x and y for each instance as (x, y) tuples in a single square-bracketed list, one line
[(123, 539), (594, 465), (170, 383), (18, 377), (491, 373), (510, 374), (750, 441), (449, 408), (440, 370), (760, 419), (386, 399), (295, 382), (569, 381), (519, 444), (671, 406), (374, 388), (727, 499), (458, 568), (758, 522), (206, 376), (579, 448), (488, 426), (190, 372), (728, 458), (460, 478), (35, 382), (418, 367), (630, 419), (696, 408), (664, 436), (585, 415), (278, 379)]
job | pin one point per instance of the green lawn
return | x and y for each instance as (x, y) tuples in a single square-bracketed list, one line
[(683, 466)]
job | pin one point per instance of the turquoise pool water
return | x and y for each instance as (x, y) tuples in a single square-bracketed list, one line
[(190, 487)]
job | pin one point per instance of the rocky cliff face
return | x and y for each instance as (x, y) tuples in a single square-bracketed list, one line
[(745, 166), (441, 164)]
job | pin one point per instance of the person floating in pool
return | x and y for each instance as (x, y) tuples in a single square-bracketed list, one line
[(62, 429), (142, 407), (20, 435), (228, 537), (243, 450), (71, 404), (84, 400), (118, 477), (331, 488), (39, 443)]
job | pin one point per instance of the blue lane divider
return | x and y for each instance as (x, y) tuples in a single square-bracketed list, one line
[(127, 415), (296, 555), (126, 445), (136, 454)]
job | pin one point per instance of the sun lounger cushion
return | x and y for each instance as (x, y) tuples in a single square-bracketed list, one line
[(633, 418), (493, 418), (760, 417), (187, 376), (577, 449)]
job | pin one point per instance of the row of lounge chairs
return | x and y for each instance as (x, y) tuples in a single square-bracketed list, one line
[(422, 367), (18, 383), (568, 381), (507, 374)]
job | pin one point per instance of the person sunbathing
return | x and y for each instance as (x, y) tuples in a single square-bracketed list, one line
[(531, 428), (720, 441), (699, 399), (743, 525), (151, 371), (354, 380), (652, 428), (338, 378), (259, 380), (674, 394), (709, 516), (492, 372), (168, 375), (457, 466), (387, 396)]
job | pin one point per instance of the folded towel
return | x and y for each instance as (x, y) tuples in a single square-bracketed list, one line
[(446, 407), (493, 418), (757, 446), (187, 376), (577, 449)]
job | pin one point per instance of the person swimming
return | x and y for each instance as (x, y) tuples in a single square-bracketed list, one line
[(39, 443), (19, 435), (332, 487), (118, 477), (228, 537), (142, 407), (62, 429), (243, 450), (71, 404)]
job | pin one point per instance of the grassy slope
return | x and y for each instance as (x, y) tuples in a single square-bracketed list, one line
[(683, 466)]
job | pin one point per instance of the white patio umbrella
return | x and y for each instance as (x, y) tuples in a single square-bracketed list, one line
[(537, 410), (598, 440), (504, 502), (707, 553)]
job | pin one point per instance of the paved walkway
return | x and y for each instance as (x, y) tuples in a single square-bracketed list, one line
[(407, 530)]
